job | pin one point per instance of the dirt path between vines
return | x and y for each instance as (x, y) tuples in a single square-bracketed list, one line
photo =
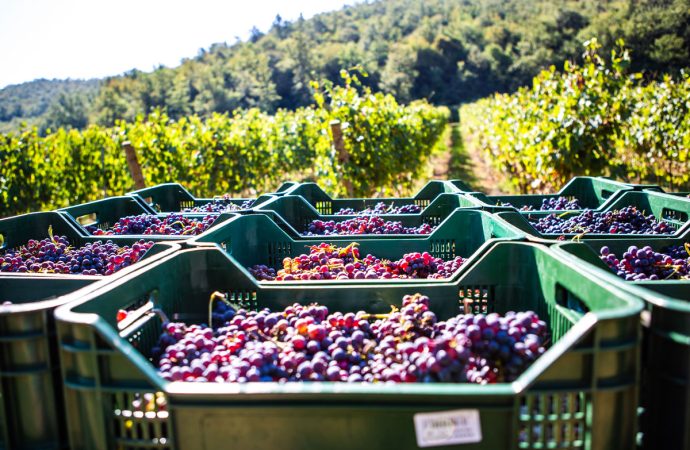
[(466, 162)]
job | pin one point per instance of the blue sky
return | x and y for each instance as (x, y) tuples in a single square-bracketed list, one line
[(96, 38)]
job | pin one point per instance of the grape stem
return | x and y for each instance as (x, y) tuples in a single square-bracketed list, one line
[(216, 295)]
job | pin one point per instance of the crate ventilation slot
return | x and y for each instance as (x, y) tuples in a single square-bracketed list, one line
[(140, 420), (476, 299), (245, 299), (277, 251), (443, 248), (433, 220), (553, 421), (324, 207)]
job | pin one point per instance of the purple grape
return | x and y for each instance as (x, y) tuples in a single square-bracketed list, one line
[(407, 345), (327, 262), (372, 224), (381, 208), (628, 220), (56, 255), (637, 264), (170, 224)]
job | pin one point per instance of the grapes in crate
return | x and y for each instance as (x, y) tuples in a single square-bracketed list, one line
[(309, 343), (56, 255), (380, 208), (329, 262), (219, 205), (628, 220), (638, 264), (170, 224), (363, 225), (551, 204)]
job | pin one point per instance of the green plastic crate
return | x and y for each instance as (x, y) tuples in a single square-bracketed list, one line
[(293, 213), (637, 186), (173, 197), (30, 383), (592, 193), (104, 213), (680, 194), (327, 205), (672, 209), (461, 185), (580, 394), (665, 393), (256, 239)]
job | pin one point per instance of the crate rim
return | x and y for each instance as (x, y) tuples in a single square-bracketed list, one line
[(297, 235), (637, 288), (629, 306), (98, 281), (342, 239)]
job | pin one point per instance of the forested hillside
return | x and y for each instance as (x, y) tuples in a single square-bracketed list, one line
[(38, 101), (448, 51)]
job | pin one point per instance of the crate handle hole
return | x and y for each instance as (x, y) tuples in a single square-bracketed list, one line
[(567, 299), (605, 193), (674, 214), (88, 219)]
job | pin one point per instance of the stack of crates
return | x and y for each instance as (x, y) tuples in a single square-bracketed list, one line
[(616, 373)]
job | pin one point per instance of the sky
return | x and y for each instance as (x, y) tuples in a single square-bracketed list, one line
[(96, 38)]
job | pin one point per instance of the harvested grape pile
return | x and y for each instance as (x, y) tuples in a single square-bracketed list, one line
[(381, 208), (628, 220), (219, 205), (363, 225), (646, 264), (549, 204), (307, 343), (328, 262), (55, 255), (171, 224)]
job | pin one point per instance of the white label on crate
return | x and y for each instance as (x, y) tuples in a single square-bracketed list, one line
[(461, 426)]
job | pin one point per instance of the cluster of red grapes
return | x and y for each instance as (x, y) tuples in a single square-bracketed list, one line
[(628, 220), (363, 225), (646, 264), (55, 255), (170, 224), (381, 208), (219, 205), (328, 262), (551, 204), (306, 343)]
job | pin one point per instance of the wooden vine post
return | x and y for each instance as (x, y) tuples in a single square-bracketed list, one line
[(134, 167), (343, 155)]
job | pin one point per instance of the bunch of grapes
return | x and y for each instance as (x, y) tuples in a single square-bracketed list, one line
[(628, 220), (170, 224), (219, 205), (328, 262), (363, 225), (55, 255), (550, 204), (306, 343), (646, 264), (381, 208)]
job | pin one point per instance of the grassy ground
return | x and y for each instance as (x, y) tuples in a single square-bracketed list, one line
[(455, 158)]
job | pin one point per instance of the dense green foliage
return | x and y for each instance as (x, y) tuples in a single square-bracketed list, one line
[(597, 118), (447, 51), (250, 151)]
